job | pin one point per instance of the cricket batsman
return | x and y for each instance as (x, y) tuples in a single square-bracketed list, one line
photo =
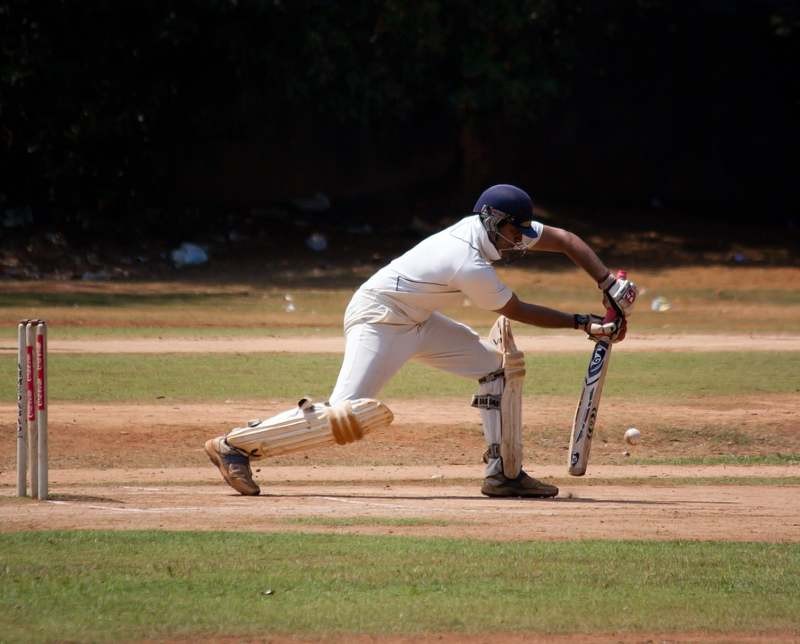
[(394, 317)]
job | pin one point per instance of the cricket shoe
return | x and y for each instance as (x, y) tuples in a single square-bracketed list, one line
[(522, 485), (233, 464)]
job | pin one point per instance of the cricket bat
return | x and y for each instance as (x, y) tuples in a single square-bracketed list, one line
[(580, 442)]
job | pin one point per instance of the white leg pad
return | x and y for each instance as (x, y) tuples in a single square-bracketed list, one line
[(488, 400), (310, 425), (511, 403)]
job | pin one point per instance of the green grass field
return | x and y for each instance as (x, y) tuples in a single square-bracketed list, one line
[(217, 377), (101, 586)]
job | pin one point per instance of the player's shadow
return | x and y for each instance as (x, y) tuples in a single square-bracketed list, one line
[(452, 497), (82, 498), (392, 497), (587, 499), (484, 499)]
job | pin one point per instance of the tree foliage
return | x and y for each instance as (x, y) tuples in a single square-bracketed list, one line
[(95, 96)]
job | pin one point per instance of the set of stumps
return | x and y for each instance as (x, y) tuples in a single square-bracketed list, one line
[(32, 408)]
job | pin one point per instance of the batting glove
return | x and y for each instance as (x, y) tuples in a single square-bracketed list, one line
[(602, 329), (618, 294)]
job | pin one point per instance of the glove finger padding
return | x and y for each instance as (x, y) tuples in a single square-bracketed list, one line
[(619, 294), (602, 329)]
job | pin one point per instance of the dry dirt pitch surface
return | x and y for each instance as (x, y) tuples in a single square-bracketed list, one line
[(142, 466), (437, 497)]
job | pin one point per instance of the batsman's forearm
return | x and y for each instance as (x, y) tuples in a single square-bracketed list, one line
[(540, 316), (558, 240), (584, 257)]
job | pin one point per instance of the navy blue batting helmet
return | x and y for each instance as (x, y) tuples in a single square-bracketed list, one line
[(513, 201)]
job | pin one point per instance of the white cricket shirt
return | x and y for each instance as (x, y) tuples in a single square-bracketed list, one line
[(437, 272)]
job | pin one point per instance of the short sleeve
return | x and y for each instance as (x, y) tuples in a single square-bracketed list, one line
[(530, 242), (482, 285)]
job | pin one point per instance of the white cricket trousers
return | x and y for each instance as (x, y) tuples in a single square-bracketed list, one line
[(375, 351)]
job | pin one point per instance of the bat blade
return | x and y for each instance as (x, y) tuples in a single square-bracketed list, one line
[(586, 414)]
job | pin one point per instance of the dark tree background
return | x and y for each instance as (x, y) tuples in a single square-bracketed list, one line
[(145, 111)]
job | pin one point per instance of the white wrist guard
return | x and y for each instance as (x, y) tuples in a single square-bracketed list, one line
[(607, 281)]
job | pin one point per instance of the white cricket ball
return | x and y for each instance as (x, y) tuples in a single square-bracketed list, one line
[(632, 436)]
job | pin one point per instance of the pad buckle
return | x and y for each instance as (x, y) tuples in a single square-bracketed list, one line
[(492, 376), (492, 453), (486, 401)]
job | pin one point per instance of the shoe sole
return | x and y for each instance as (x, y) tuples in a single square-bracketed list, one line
[(213, 455), (511, 494)]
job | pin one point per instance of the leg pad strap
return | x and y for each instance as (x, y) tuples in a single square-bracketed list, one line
[(344, 424), (486, 401), (310, 425)]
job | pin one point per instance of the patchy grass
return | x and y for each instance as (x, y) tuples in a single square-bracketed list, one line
[(256, 311), (112, 586), (751, 300), (215, 377), (179, 332)]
